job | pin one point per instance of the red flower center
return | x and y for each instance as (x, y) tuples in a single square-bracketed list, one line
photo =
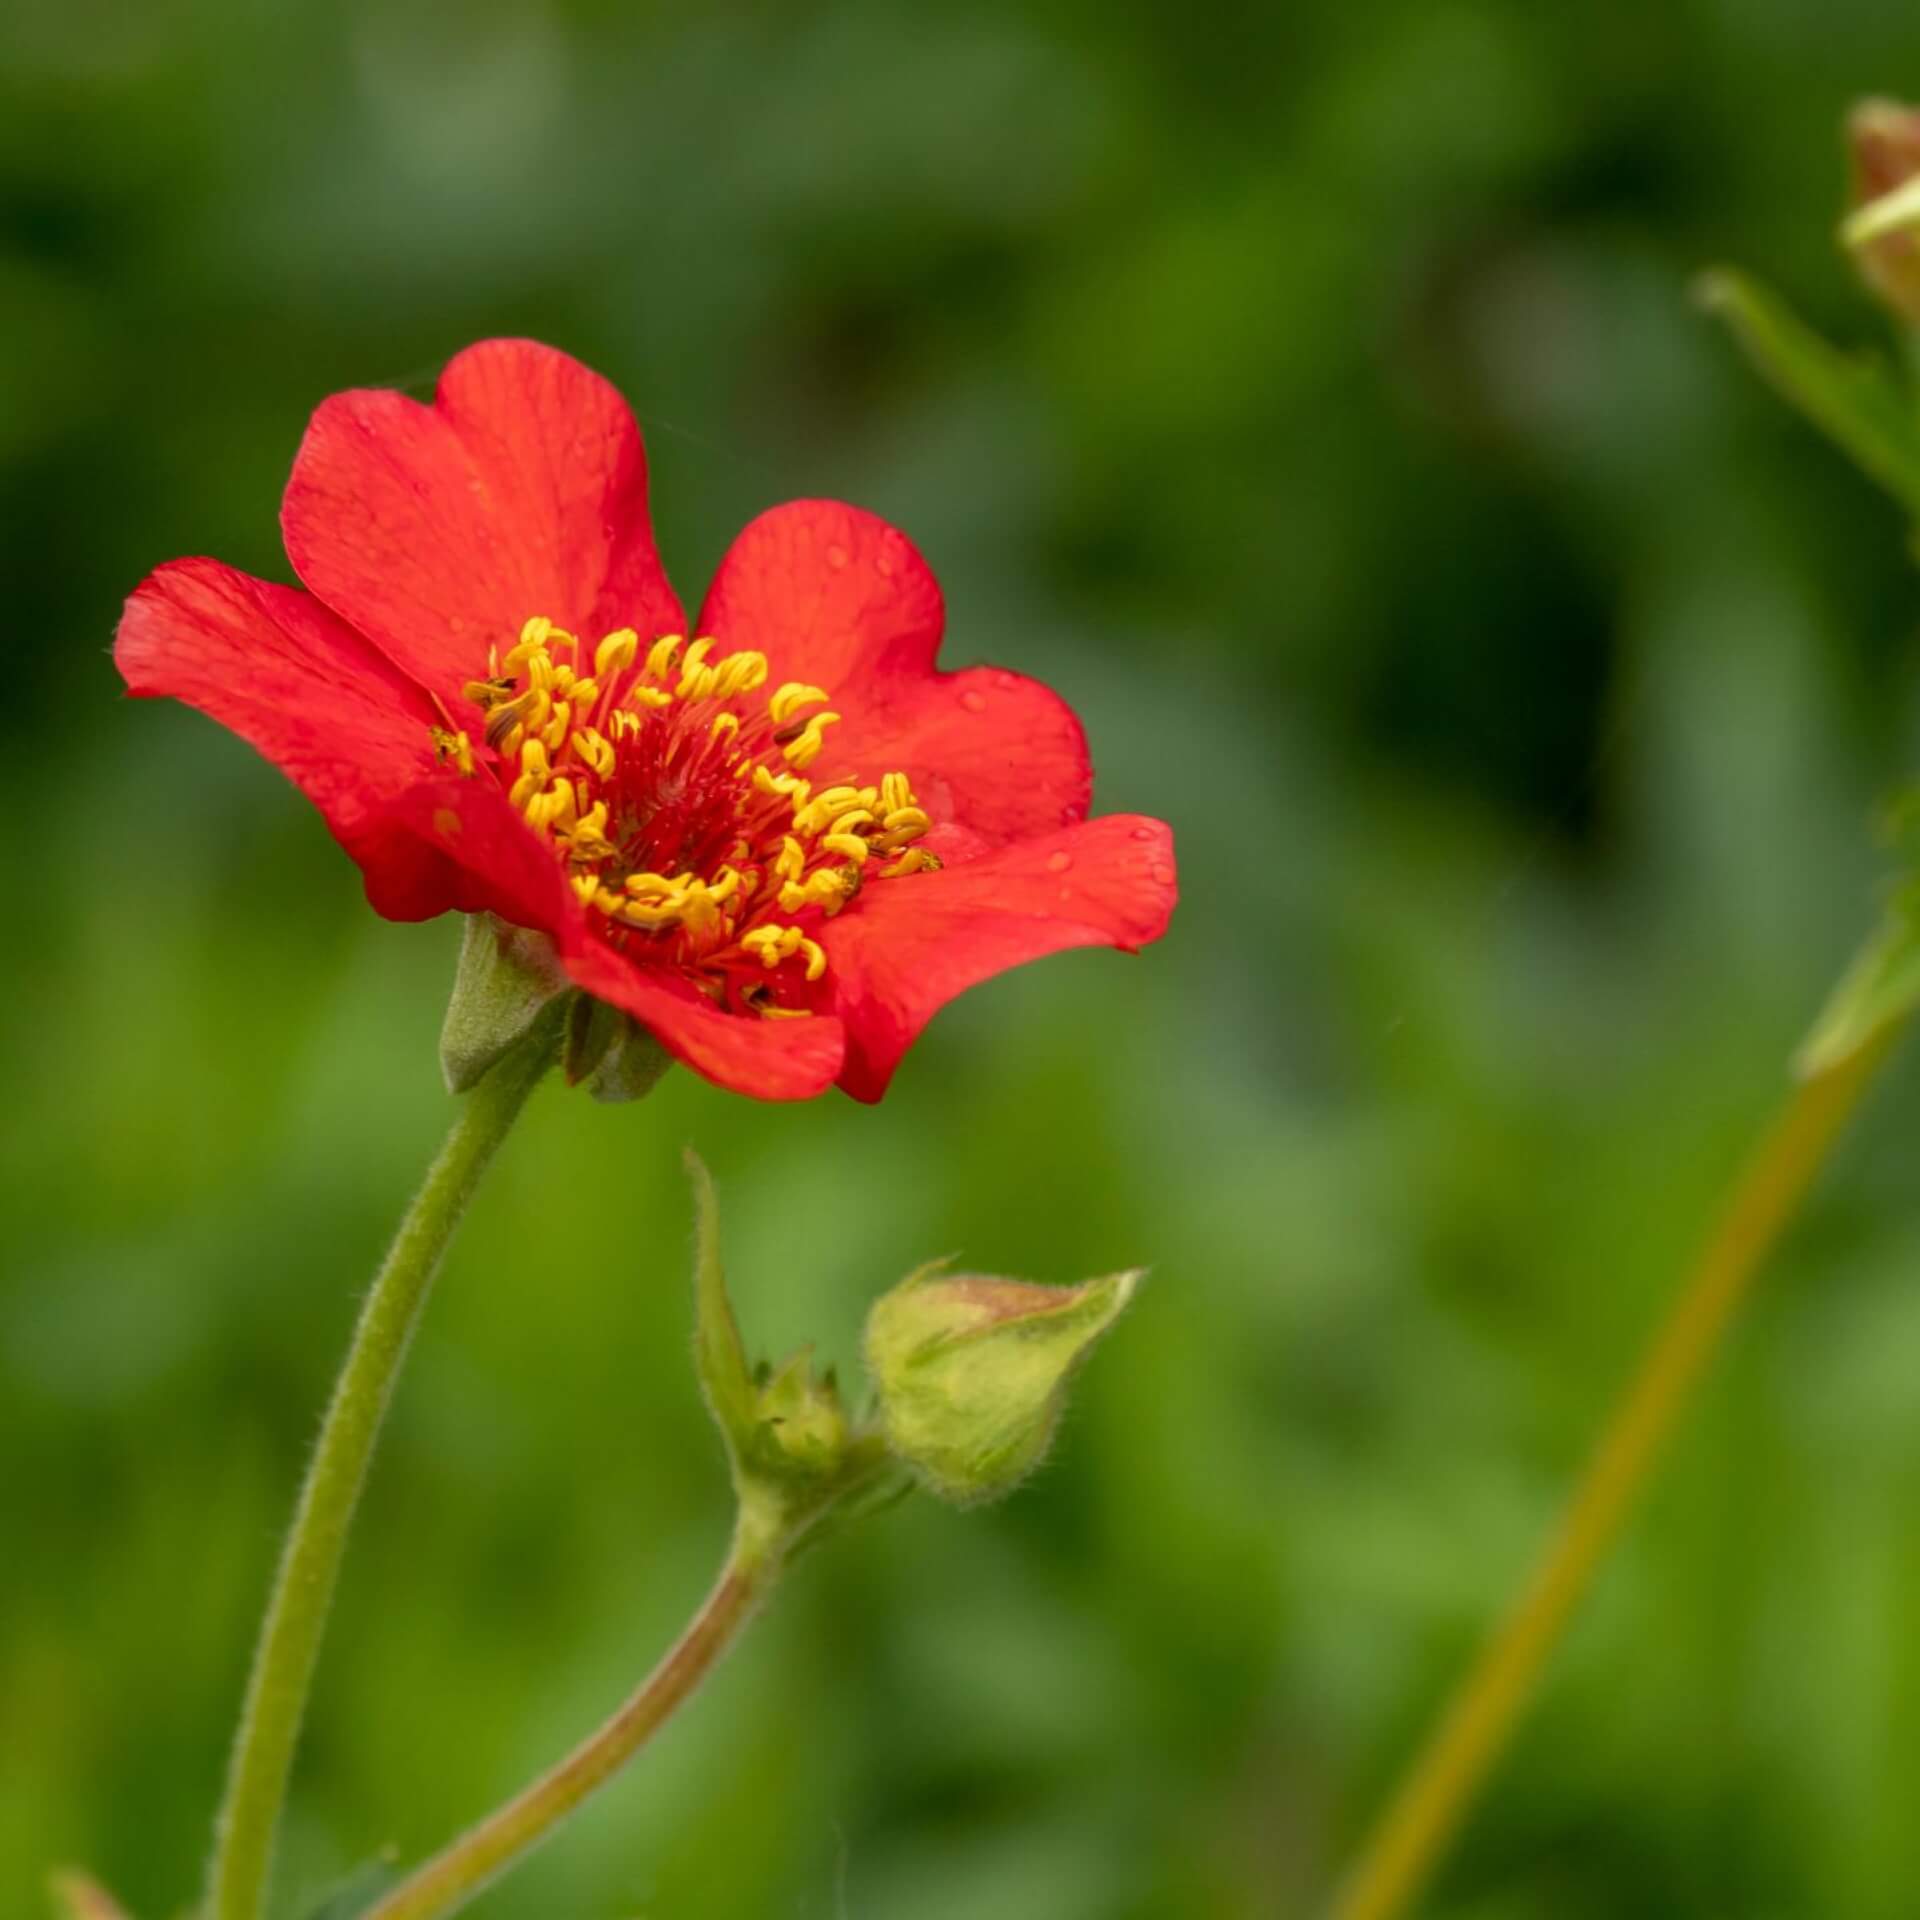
[(674, 790)]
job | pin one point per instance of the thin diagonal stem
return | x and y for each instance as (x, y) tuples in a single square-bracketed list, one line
[(511, 1832), (1438, 1789), (310, 1562)]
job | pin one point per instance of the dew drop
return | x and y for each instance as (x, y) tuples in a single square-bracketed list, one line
[(1143, 833), (836, 557), (1161, 873), (974, 700), (883, 563), (1059, 862)]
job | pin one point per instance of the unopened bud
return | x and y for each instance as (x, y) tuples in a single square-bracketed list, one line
[(972, 1372), (1883, 231)]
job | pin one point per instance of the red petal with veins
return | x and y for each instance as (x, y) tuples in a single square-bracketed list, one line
[(769, 1059), (437, 531), (911, 945), (834, 596), (274, 666), (457, 845), (831, 595)]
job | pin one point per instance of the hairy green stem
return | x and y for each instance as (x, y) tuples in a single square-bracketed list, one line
[(1439, 1787), (296, 1615), (454, 1876)]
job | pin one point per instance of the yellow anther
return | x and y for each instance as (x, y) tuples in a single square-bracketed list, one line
[(743, 672), (784, 1013), (533, 636), (895, 793), (655, 697), (487, 694), (782, 786), (905, 820), (524, 789), (662, 654), (827, 887), (533, 759), (849, 846), (582, 694), (723, 724), (804, 750), (654, 883), (694, 674), (453, 749), (791, 861), (586, 887), (795, 694), (914, 860), (554, 733), (593, 747), (723, 885), (853, 817), (616, 653), (815, 957)]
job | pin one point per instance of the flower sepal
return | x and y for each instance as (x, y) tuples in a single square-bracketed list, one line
[(505, 977), (972, 1372), (610, 1051), (795, 1456)]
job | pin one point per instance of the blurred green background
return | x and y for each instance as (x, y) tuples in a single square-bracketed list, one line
[(1311, 393)]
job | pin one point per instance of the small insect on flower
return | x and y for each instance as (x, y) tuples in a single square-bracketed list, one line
[(780, 839)]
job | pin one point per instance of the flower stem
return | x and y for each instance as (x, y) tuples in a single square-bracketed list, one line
[(1437, 1790), (454, 1876), (296, 1615)]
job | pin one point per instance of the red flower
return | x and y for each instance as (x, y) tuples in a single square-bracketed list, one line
[(781, 846)]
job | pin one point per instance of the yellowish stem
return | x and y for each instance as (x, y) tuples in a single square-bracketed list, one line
[(1436, 1792)]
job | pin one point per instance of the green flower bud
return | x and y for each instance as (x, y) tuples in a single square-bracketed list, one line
[(972, 1372), (1883, 232)]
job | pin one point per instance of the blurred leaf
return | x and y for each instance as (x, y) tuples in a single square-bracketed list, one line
[(1853, 399)]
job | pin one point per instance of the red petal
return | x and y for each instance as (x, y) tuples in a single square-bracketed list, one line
[(289, 678), (768, 1059), (984, 749), (830, 594), (438, 531), (834, 596), (910, 945), (457, 845)]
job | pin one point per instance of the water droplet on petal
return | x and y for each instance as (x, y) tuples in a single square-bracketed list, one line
[(974, 700), (1161, 873), (836, 557), (1059, 862), (1144, 833), (883, 563)]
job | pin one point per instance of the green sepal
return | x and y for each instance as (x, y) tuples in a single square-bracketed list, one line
[(794, 1455), (972, 1372), (1854, 399), (505, 977), (617, 1057)]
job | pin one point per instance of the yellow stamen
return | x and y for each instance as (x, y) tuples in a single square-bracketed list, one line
[(796, 693), (616, 653)]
